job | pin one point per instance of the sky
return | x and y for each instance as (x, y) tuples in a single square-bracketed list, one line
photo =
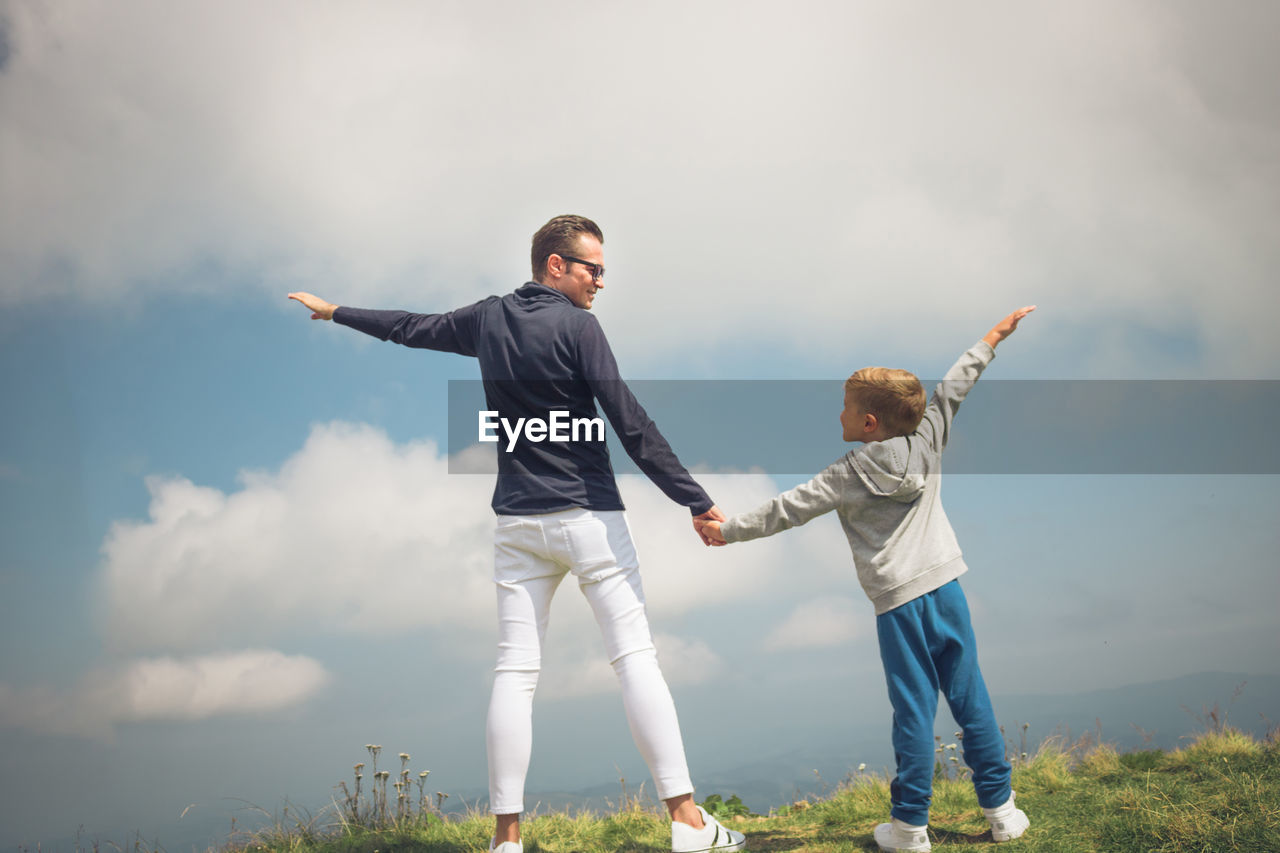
[(232, 551)]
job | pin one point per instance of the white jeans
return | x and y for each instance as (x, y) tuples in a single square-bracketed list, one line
[(532, 554)]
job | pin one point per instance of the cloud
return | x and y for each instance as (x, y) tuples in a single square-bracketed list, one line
[(818, 623), (165, 688), (352, 535), (245, 682), (358, 535), (793, 171)]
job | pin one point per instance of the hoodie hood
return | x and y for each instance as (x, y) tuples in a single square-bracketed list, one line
[(535, 292), (891, 469)]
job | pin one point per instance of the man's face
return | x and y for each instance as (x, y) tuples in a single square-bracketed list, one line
[(576, 280)]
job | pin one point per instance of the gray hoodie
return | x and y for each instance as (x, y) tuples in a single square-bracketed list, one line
[(888, 496)]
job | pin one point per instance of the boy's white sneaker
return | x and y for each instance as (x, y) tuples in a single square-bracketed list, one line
[(896, 835), (712, 836), (506, 846), (1007, 821)]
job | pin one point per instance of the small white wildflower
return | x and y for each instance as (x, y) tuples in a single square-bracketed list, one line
[(862, 767)]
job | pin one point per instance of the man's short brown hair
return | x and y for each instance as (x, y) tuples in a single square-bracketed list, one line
[(560, 237), (894, 396)]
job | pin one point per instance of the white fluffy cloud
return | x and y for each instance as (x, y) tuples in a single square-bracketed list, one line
[(191, 689), (779, 167), (819, 623), (165, 688), (352, 535), (355, 534)]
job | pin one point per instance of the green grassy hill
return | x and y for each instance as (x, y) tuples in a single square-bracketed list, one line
[(1219, 794)]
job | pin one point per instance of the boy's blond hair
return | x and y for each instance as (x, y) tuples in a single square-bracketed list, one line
[(894, 396)]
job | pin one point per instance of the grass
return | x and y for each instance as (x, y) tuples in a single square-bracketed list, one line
[(1221, 793)]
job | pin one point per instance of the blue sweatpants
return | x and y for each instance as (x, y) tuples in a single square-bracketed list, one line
[(927, 645)]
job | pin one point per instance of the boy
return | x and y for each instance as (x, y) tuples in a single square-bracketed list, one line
[(887, 496)]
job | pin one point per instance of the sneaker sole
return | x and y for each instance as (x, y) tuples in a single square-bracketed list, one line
[(910, 848), (728, 848)]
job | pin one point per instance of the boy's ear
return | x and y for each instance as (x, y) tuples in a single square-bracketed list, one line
[(870, 423)]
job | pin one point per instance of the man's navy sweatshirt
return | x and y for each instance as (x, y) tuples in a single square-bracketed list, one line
[(540, 353)]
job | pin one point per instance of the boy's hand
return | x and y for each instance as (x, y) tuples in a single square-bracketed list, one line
[(710, 533), (1005, 327), (320, 310)]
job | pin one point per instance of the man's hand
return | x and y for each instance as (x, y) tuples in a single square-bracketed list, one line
[(320, 310), (700, 522), (710, 533), (1005, 327)]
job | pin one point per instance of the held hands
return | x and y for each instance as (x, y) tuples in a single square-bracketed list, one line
[(702, 525), (711, 534), (1005, 327), (320, 310)]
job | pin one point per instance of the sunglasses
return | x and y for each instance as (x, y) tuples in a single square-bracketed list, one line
[(596, 270)]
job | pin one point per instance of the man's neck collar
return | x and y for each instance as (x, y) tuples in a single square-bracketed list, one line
[(549, 289)]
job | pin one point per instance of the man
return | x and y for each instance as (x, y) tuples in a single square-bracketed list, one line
[(559, 510)]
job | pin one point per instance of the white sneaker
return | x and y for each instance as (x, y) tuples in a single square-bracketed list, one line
[(897, 835), (712, 836), (506, 846), (1007, 821)]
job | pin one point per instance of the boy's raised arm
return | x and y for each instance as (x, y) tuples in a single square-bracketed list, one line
[(1005, 327), (935, 428)]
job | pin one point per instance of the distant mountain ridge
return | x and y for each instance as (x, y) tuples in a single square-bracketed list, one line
[(1157, 714)]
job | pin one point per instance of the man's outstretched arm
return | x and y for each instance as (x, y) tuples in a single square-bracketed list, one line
[(453, 331)]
